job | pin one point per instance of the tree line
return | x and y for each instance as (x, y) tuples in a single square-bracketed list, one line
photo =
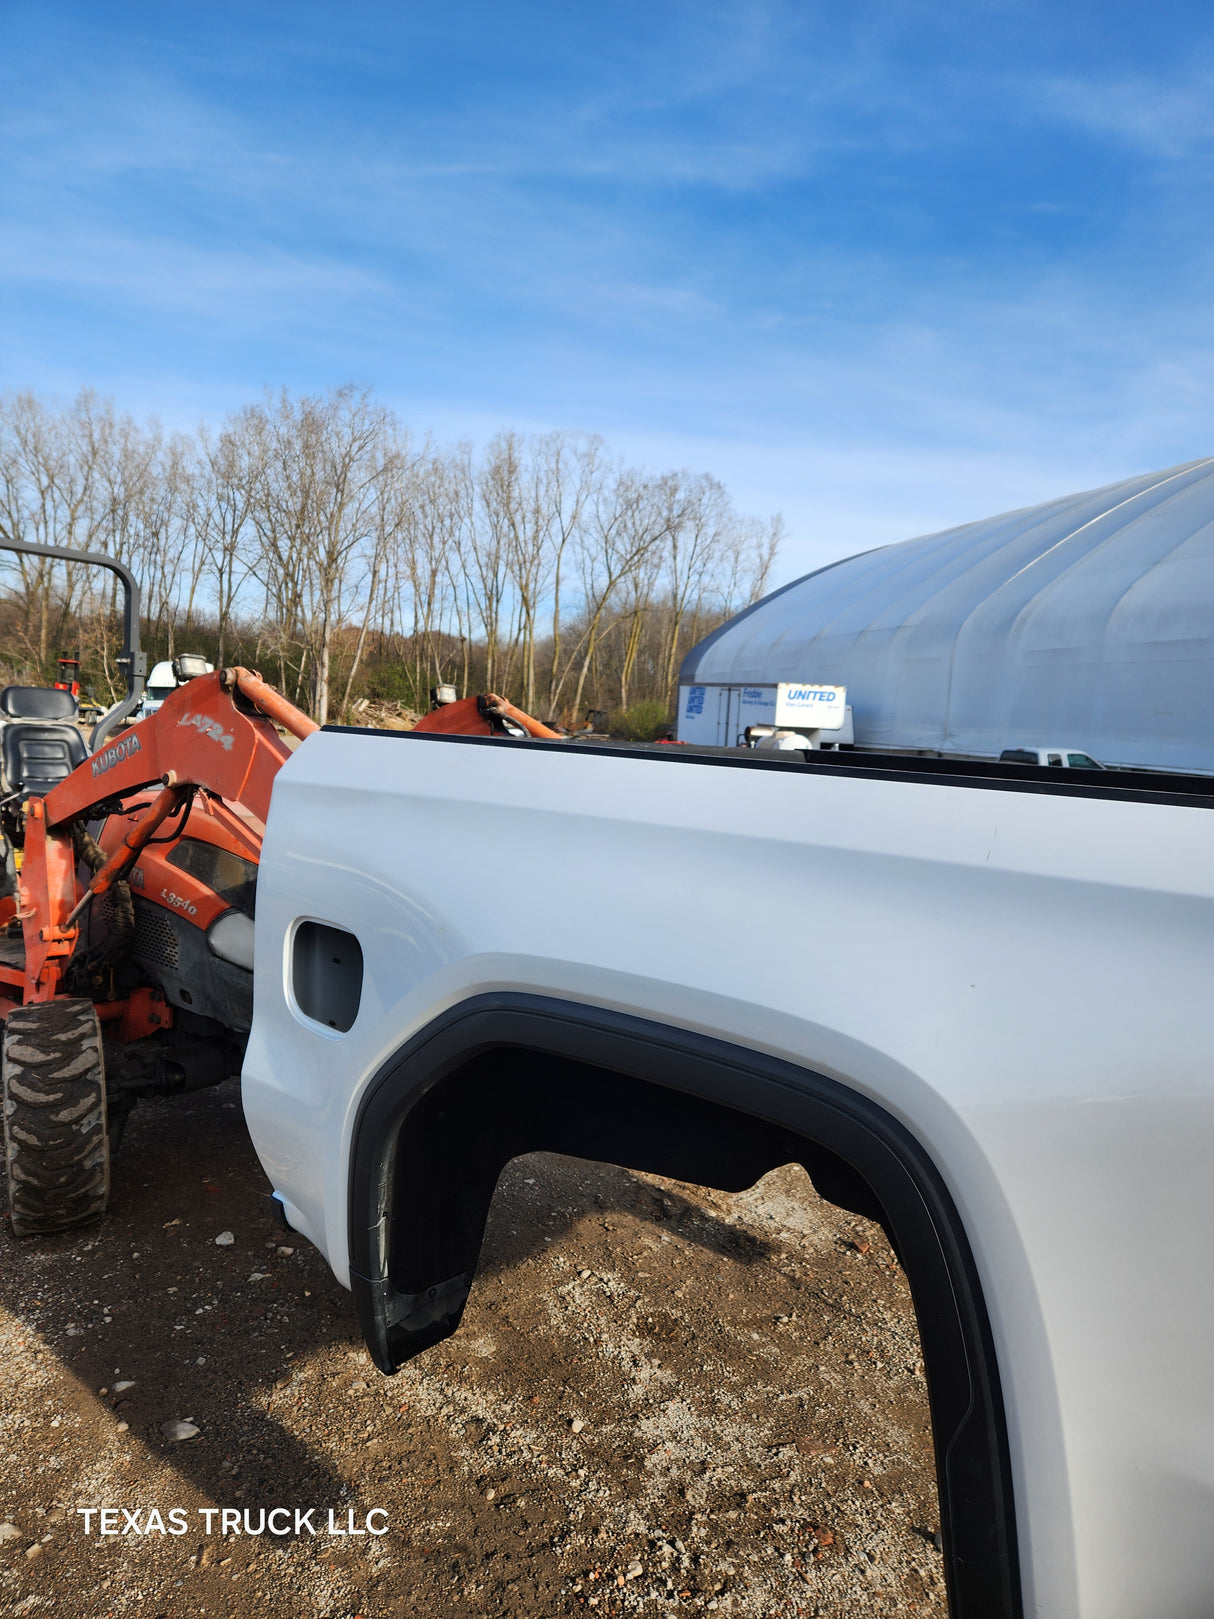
[(316, 539)]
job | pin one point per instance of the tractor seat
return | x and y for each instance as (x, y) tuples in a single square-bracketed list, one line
[(37, 703), (36, 756)]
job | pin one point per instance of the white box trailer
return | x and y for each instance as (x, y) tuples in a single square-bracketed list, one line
[(717, 716)]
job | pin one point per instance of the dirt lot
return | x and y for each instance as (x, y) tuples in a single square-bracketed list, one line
[(662, 1400)]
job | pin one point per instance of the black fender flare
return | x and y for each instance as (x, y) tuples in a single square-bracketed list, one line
[(505, 1073)]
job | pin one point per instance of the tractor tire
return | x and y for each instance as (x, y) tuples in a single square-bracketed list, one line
[(56, 1141)]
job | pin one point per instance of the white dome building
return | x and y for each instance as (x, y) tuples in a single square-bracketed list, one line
[(1087, 622)]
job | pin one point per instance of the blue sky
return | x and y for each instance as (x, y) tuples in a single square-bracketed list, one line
[(883, 267)]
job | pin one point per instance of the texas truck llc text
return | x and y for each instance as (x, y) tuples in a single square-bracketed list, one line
[(232, 1521)]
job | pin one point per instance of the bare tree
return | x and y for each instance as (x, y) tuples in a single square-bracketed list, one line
[(572, 469), (48, 476), (390, 481), (640, 582), (630, 517), (228, 473), (483, 548), (314, 513), (424, 540), (307, 531), (696, 542)]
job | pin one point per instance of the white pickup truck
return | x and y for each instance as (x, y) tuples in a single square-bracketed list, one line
[(1060, 758), (972, 999)]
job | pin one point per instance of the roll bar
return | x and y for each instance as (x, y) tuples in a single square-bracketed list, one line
[(131, 661)]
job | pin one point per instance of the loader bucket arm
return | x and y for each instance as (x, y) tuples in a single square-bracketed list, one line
[(214, 732), (476, 716), (201, 736)]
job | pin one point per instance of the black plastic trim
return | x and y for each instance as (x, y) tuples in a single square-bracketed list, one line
[(1132, 786), (793, 1112)]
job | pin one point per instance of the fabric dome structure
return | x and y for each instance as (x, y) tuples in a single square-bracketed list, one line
[(1087, 622)]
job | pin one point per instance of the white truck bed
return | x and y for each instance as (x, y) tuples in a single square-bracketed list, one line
[(987, 995)]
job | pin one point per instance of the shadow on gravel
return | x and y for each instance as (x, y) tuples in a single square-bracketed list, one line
[(213, 1333), (696, 1225), (566, 1191), (202, 1331), (206, 1332), (551, 1195)]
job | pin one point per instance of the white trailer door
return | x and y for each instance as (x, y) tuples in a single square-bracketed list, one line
[(729, 716)]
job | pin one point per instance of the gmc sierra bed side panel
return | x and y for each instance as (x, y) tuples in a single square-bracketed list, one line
[(1020, 979)]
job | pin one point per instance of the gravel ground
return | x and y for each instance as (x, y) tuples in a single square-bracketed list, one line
[(662, 1400)]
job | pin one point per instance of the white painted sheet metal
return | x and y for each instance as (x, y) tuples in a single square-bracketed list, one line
[(1021, 979)]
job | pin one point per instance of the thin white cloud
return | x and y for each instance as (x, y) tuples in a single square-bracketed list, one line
[(221, 283), (741, 106), (1159, 117)]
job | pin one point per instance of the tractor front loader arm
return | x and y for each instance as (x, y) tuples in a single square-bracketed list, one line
[(200, 736), (214, 732)]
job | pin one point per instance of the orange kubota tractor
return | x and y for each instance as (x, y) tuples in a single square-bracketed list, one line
[(126, 934)]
